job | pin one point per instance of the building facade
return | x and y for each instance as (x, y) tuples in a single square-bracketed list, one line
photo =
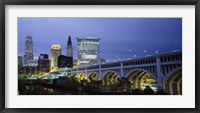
[(55, 52), (62, 61), (69, 48), (28, 50), (88, 51), (29, 70), (65, 62), (33, 62), (75, 63), (43, 63)]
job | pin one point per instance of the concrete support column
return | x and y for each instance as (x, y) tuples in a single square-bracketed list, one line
[(179, 87), (168, 68), (86, 74), (121, 70), (100, 73), (159, 77), (137, 80), (171, 88)]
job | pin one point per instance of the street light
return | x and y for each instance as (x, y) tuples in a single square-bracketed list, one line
[(145, 52)]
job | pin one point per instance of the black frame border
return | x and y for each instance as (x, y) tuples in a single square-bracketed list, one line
[(99, 2)]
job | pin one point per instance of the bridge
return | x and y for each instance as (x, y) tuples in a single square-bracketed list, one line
[(163, 70)]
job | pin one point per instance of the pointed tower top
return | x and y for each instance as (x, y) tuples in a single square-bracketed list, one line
[(28, 36), (69, 42)]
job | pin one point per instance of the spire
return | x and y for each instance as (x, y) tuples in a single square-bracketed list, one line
[(69, 52), (69, 42)]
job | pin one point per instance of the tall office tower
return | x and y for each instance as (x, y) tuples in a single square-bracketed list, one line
[(43, 63), (28, 50), (55, 52), (20, 61), (65, 62), (69, 48), (88, 51)]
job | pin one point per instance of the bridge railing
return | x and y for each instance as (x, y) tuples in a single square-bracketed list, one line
[(175, 56)]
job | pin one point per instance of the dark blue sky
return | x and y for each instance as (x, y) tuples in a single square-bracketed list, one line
[(121, 37)]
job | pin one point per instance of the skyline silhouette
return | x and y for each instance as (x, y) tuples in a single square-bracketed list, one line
[(120, 37)]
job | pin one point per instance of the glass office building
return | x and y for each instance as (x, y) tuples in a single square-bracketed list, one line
[(88, 51), (28, 50)]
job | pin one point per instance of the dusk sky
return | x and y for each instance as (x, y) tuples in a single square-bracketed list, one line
[(121, 37)]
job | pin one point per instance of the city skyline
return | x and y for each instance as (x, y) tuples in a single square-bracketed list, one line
[(165, 35)]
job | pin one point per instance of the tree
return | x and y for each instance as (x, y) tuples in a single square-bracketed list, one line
[(148, 91)]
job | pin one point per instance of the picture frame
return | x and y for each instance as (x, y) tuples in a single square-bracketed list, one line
[(99, 2)]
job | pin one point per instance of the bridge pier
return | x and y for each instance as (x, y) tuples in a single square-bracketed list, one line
[(86, 72), (159, 77), (121, 69), (100, 73)]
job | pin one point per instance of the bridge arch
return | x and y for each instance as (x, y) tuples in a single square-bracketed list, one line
[(140, 78), (172, 82), (111, 78), (92, 77), (139, 69), (81, 77)]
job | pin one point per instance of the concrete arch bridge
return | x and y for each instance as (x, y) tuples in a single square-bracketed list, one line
[(160, 71)]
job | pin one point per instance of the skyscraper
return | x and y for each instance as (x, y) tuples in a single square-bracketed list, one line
[(69, 52), (28, 50), (88, 51), (43, 63), (64, 61), (55, 52)]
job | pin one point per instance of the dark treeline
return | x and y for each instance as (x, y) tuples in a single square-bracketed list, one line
[(76, 88)]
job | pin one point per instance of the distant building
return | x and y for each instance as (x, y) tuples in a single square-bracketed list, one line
[(88, 51), (33, 62), (29, 70), (69, 62), (20, 70), (43, 63), (43, 56), (69, 48), (20, 61), (28, 50), (75, 63), (64, 61), (55, 52)]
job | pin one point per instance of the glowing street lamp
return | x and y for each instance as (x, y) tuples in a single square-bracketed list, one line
[(156, 52), (145, 52)]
